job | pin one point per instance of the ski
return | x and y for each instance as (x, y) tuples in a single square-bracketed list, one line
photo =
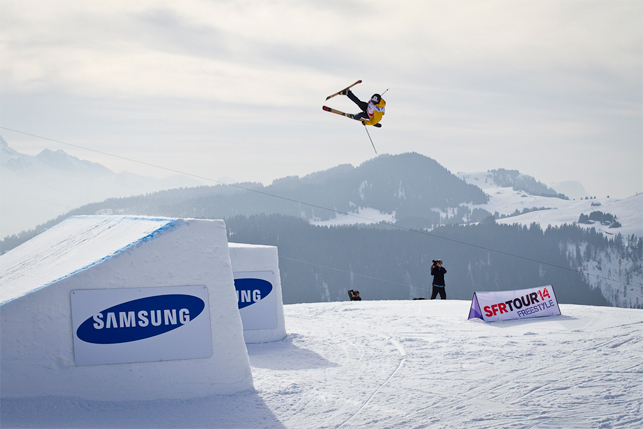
[(338, 92), (338, 112)]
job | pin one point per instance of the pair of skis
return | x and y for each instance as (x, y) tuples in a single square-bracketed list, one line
[(335, 111), (338, 112), (348, 115)]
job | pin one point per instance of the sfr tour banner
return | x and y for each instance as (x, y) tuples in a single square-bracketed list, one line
[(514, 304)]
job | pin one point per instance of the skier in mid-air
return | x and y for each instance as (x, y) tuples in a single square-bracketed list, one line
[(372, 111)]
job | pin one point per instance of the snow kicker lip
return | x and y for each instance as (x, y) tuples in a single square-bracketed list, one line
[(140, 319), (250, 291)]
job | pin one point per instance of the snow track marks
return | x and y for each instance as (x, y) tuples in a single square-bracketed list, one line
[(422, 364)]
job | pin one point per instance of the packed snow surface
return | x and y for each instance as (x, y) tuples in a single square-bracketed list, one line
[(406, 364), (70, 247), (365, 216), (121, 258)]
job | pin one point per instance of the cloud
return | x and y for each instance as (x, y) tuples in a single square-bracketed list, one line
[(466, 72)]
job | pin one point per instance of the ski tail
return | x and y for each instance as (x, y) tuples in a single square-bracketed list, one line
[(348, 115), (338, 112), (338, 92)]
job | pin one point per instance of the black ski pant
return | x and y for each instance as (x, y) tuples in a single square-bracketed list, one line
[(362, 105), (439, 290)]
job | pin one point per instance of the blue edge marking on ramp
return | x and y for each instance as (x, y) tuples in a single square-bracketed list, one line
[(169, 224)]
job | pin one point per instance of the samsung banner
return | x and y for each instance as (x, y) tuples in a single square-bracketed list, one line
[(514, 304), (257, 301), (140, 324)]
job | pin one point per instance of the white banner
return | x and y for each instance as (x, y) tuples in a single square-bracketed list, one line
[(257, 299), (514, 304), (140, 324)]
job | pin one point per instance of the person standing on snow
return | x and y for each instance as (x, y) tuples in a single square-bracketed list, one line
[(372, 111), (354, 295), (438, 272)]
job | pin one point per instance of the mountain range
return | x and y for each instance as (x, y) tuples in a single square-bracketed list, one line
[(377, 226), (35, 189)]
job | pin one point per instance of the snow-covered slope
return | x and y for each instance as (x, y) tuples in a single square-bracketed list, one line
[(70, 247), (406, 364), (617, 275), (506, 201), (364, 216), (616, 270)]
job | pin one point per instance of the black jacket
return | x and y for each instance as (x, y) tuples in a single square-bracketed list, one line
[(438, 275)]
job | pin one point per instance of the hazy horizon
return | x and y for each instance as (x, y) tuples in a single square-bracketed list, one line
[(235, 88)]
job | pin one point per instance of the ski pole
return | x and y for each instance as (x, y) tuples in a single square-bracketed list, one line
[(369, 137)]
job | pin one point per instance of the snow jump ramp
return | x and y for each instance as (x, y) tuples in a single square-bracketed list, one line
[(122, 308), (258, 285)]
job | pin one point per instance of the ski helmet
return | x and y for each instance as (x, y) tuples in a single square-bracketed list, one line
[(376, 98)]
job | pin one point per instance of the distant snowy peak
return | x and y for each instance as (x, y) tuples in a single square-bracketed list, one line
[(481, 180), (503, 178), (525, 204), (8, 155), (47, 160), (39, 188), (3, 143), (60, 160)]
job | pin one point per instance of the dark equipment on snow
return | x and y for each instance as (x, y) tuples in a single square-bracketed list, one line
[(353, 295)]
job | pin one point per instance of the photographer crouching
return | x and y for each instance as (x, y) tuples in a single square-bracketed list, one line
[(438, 272)]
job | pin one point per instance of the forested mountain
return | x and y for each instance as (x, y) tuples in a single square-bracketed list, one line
[(432, 214), (322, 264), (410, 185), (522, 182)]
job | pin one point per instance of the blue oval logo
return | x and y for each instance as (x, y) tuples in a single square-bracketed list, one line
[(250, 291), (139, 319)]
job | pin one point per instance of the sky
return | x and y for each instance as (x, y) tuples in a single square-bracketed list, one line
[(233, 90)]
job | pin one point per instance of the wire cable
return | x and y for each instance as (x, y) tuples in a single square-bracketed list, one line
[(392, 225), (353, 273)]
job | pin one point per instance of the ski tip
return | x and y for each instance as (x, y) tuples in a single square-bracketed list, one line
[(326, 108)]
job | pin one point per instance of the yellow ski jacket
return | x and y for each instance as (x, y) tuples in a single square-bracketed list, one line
[(375, 112)]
